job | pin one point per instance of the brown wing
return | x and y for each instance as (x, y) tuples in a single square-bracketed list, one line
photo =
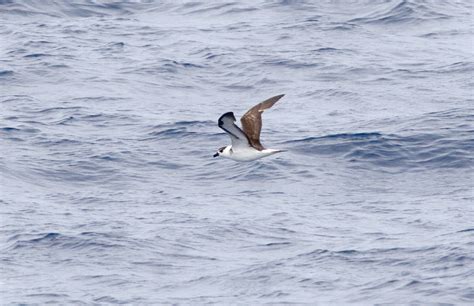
[(252, 121)]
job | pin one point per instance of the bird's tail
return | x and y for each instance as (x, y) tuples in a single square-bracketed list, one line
[(274, 151)]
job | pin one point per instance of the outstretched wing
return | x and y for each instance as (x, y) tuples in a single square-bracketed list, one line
[(237, 136), (252, 121)]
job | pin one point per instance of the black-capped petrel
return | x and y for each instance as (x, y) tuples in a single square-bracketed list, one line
[(246, 144)]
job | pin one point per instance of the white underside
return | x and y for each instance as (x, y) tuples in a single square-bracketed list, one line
[(249, 154)]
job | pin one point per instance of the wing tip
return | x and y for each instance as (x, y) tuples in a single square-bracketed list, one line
[(228, 114), (276, 98), (271, 101)]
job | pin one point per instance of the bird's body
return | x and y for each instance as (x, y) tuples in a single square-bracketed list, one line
[(246, 144), (246, 154)]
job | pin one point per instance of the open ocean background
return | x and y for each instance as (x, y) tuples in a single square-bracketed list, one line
[(110, 194)]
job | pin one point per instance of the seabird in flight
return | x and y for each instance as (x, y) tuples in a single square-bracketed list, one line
[(246, 144)]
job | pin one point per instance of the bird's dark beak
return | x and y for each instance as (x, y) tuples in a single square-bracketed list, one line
[(215, 155)]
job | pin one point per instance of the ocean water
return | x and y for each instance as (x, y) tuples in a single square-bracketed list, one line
[(110, 194)]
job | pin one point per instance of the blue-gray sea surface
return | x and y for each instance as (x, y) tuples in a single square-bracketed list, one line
[(110, 194)]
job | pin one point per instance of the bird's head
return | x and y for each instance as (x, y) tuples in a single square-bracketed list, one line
[(222, 151)]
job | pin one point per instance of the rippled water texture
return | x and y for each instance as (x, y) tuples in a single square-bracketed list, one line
[(110, 194)]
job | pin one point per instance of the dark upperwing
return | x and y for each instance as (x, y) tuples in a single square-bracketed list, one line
[(252, 121)]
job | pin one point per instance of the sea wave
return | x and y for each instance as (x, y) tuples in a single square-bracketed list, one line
[(412, 12), (445, 144), (56, 241)]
